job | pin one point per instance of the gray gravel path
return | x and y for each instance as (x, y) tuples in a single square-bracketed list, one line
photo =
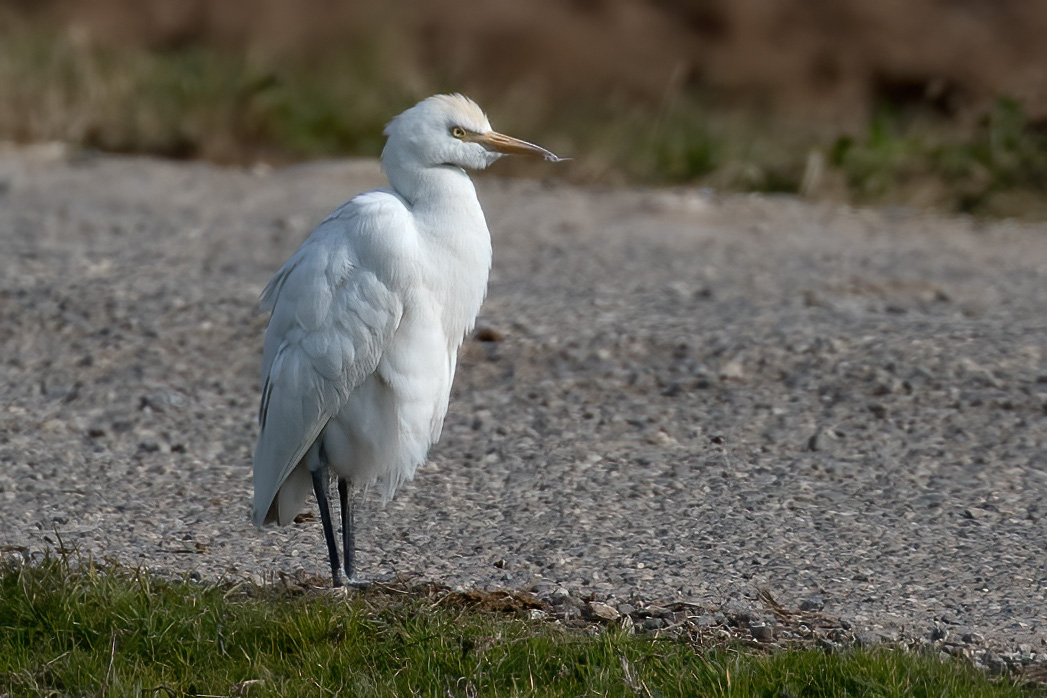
[(690, 398)]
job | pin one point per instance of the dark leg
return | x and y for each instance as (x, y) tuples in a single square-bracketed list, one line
[(345, 498), (320, 490)]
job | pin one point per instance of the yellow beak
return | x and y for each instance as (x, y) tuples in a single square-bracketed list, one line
[(500, 143)]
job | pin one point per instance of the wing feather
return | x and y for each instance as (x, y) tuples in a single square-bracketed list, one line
[(334, 308)]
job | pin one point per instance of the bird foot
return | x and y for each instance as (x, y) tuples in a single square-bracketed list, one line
[(354, 583), (341, 584)]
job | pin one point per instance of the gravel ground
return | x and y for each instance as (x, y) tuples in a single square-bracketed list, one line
[(673, 397)]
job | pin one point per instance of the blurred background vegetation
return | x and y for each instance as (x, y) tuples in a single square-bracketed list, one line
[(931, 103)]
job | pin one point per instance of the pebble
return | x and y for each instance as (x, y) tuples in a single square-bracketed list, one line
[(973, 638), (868, 639), (706, 621), (812, 603), (762, 633), (602, 611)]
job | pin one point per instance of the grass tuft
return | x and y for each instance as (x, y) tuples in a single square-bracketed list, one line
[(70, 629)]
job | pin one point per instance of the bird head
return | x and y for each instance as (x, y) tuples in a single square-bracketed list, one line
[(451, 130)]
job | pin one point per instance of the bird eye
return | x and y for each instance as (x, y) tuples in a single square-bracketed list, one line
[(458, 132)]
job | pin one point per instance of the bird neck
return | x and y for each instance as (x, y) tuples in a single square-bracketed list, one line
[(431, 189)]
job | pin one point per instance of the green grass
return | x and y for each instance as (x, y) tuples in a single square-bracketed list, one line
[(988, 170), (87, 631), (196, 101)]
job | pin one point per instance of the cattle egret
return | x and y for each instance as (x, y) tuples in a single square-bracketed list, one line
[(367, 317)]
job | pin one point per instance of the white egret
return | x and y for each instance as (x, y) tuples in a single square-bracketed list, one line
[(367, 318)]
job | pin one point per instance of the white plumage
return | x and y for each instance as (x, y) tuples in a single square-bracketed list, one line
[(367, 317)]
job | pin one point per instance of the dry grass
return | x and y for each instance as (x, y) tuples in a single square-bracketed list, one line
[(235, 107)]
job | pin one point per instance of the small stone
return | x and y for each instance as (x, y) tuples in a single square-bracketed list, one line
[(488, 334), (705, 620), (1011, 659), (813, 603), (812, 299), (868, 639), (562, 596), (53, 426), (732, 369), (602, 611), (762, 632), (542, 588), (626, 609), (994, 663), (663, 440), (672, 390), (653, 623), (704, 383), (569, 612), (828, 646), (161, 401)]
